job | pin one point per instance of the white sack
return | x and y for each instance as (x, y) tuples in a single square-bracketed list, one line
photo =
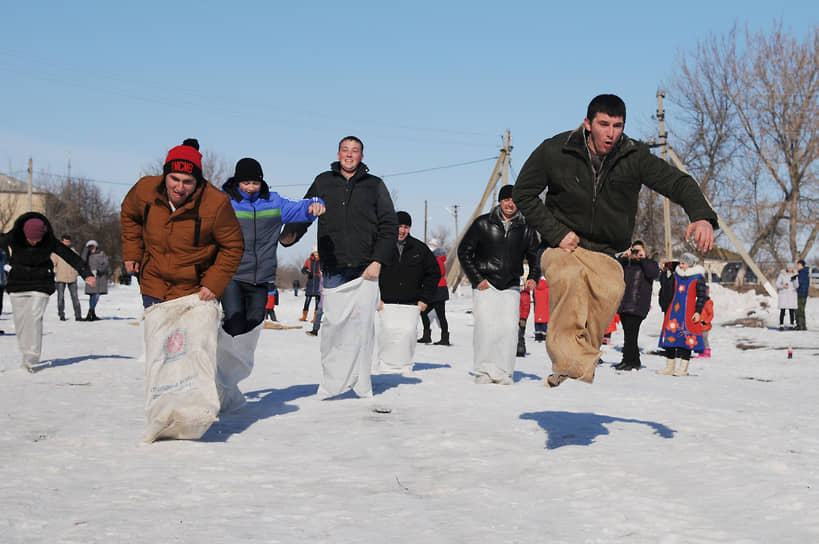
[(347, 335), (180, 366), (397, 334), (495, 337), (28, 308), (234, 363)]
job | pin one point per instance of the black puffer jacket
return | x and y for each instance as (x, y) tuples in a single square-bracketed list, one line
[(31, 266), (489, 252), (639, 277), (410, 276), (359, 225)]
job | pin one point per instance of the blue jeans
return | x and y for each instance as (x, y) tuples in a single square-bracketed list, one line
[(244, 306), (333, 277), (93, 298)]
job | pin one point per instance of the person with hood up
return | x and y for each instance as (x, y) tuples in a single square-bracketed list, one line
[(312, 267), (30, 281), (98, 263), (261, 213), (639, 273), (683, 294), (491, 253)]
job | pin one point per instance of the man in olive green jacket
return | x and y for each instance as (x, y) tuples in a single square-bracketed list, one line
[(593, 177)]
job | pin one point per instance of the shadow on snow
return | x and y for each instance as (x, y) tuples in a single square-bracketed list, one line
[(81, 358), (571, 429), (261, 404)]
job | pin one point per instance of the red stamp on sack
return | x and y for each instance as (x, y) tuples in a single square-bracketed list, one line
[(175, 345)]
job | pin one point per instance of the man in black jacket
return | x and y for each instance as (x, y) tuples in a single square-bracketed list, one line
[(412, 274), (409, 280), (639, 273), (491, 254), (593, 177), (356, 237)]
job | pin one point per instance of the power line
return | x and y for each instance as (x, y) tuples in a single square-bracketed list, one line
[(438, 168)]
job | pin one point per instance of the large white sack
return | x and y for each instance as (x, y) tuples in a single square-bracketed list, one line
[(347, 335), (495, 337), (397, 334), (234, 362), (28, 308), (180, 366)]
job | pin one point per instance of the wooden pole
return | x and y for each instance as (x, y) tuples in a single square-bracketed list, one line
[(675, 160), (30, 183), (664, 152)]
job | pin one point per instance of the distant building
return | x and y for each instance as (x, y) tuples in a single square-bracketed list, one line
[(14, 200)]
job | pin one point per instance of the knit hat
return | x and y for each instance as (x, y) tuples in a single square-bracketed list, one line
[(404, 218), (185, 159), (248, 169), (34, 229), (90, 243), (505, 192), (689, 259)]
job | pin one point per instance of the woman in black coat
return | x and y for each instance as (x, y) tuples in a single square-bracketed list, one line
[(30, 281)]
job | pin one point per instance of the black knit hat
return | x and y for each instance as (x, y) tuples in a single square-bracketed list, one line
[(404, 218), (248, 169), (505, 192)]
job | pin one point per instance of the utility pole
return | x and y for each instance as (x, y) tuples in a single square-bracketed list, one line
[(30, 196), (663, 141), (455, 213), (426, 219), (69, 166)]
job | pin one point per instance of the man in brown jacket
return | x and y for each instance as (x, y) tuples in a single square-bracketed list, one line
[(179, 232), (181, 237)]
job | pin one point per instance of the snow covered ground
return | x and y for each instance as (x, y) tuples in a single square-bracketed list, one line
[(728, 454)]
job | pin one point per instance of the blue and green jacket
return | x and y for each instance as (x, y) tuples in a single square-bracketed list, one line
[(261, 217)]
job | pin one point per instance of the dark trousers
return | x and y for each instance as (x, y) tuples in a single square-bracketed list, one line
[(801, 323), (440, 311), (244, 306), (2, 290), (75, 300), (677, 353), (631, 330), (307, 299), (792, 313)]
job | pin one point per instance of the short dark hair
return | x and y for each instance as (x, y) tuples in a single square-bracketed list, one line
[(65, 237), (802, 262), (353, 138), (638, 243), (610, 104)]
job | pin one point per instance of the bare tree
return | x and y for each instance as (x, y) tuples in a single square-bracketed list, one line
[(750, 133), (443, 234)]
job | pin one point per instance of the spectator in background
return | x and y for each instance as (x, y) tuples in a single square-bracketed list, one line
[(639, 273), (30, 280), (272, 300), (438, 301), (802, 290), (312, 267), (98, 263), (541, 297), (296, 287), (788, 301), (66, 278)]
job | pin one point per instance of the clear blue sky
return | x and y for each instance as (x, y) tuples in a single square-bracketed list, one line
[(423, 84)]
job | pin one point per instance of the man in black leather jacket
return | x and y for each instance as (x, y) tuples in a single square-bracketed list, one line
[(491, 253)]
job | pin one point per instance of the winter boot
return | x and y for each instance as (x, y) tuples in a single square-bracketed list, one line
[(303, 315), (444, 341), (669, 367), (426, 338), (91, 316), (683, 370), (521, 339)]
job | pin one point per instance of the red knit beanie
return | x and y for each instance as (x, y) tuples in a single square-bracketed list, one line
[(185, 159), (34, 229)]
